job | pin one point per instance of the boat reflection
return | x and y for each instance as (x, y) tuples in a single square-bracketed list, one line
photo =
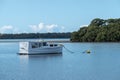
[(40, 57)]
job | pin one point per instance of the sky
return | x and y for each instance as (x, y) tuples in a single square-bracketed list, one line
[(33, 16)]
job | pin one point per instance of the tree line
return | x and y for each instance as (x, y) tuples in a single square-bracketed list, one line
[(99, 30), (35, 35)]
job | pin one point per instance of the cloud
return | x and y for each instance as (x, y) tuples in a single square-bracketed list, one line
[(34, 28), (51, 28), (6, 29), (37, 28), (84, 26), (41, 27)]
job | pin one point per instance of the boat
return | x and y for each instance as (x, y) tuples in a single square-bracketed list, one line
[(39, 47)]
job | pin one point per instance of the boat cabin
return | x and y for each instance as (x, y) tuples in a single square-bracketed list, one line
[(41, 44), (39, 47)]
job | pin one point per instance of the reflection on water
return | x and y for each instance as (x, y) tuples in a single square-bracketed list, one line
[(41, 56), (25, 59)]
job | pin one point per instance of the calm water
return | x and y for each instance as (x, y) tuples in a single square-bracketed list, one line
[(102, 64)]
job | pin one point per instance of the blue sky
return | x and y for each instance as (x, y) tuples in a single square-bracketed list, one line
[(19, 16)]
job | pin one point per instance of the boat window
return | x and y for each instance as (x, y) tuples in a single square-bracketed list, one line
[(40, 44), (55, 44), (51, 45), (44, 44), (34, 45)]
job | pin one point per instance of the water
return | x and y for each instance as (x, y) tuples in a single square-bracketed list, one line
[(103, 63)]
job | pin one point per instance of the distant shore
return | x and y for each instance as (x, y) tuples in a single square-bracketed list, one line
[(25, 40)]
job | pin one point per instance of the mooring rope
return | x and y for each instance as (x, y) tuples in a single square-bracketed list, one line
[(68, 49), (86, 51)]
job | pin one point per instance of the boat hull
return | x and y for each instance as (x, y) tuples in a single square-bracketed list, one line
[(54, 50), (39, 48)]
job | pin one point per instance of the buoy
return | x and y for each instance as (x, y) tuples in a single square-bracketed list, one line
[(88, 51)]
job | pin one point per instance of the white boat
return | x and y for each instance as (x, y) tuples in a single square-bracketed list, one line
[(39, 47)]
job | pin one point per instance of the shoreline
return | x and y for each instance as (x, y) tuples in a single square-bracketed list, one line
[(26, 40), (47, 40)]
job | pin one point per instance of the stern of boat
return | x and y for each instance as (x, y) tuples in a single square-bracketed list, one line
[(23, 47)]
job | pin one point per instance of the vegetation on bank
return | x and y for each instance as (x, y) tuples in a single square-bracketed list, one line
[(35, 35), (99, 30)]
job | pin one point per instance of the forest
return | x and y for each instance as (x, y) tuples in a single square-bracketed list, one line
[(99, 30), (35, 35)]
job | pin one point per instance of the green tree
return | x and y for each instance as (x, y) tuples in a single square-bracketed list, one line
[(75, 37), (99, 30)]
